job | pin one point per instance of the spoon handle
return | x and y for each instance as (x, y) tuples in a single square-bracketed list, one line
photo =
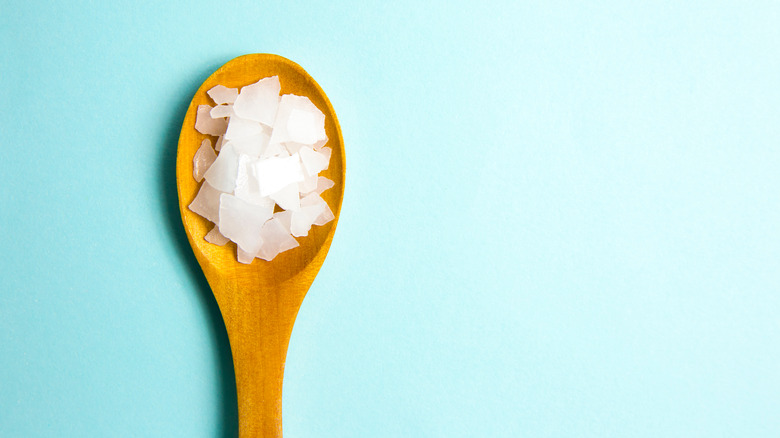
[(259, 324), (259, 368)]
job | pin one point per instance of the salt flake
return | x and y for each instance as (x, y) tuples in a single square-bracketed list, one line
[(314, 161), (205, 124), (241, 222), (276, 239), (288, 198), (215, 237), (222, 173), (203, 159), (244, 257), (306, 127), (221, 111), (323, 184), (247, 187), (206, 202), (253, 145), (239, 127), (222, 94), (259, 101), (274, 174)]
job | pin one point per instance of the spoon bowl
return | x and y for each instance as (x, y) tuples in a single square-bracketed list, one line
[(259, 301)]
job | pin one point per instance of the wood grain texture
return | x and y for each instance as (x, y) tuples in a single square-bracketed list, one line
[(259, 302)]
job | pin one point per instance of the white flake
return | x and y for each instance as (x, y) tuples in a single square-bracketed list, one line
[(238, 128), (308, 185), (276, 239), (323, 184), (259, 101), (243, 256), (206, 202), (314, 161), (302, 220), (247, 187), (203, 159), (319, 144), (221, 111), (326, 152), (253, 145), (287, 104), (215, 237), (284, 217), (274, 174), (205, 124), (222, 94), (241, 222), (312, 207), (312, 199), (326, 215), (292, 147), (222, 173), (306, 127), (274, 150), (288, 198)]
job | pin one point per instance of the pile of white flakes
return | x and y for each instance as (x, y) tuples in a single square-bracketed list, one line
[(271, 150)]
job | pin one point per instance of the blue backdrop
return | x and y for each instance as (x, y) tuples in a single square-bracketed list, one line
[(561, 219)]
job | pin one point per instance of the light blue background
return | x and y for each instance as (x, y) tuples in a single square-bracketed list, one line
[(562, 219)]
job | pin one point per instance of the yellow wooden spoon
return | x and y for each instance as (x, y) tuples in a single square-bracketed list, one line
[(259, 301)]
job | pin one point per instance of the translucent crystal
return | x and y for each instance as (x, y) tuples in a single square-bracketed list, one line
[(303, 103), (323, 184), (218, 145), (243, 256), (326, 152), (222, 94), (205, 124), (316, 146), (312, 199), (287, 104), (247, 187), (314, 161), (253, 145), (326, 215), (215, 237), (309, 183), (302, 220), (241, 221), (203, 159), (239, 127), (259, 101), (292, 147), (276, 239), (285, 218), (222, 173), (306, 127), (220, 111), (274, 150), (244, 176), (288, 198), (274, 174), (206, 202)]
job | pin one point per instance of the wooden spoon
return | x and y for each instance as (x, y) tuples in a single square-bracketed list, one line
[(259, 301)]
